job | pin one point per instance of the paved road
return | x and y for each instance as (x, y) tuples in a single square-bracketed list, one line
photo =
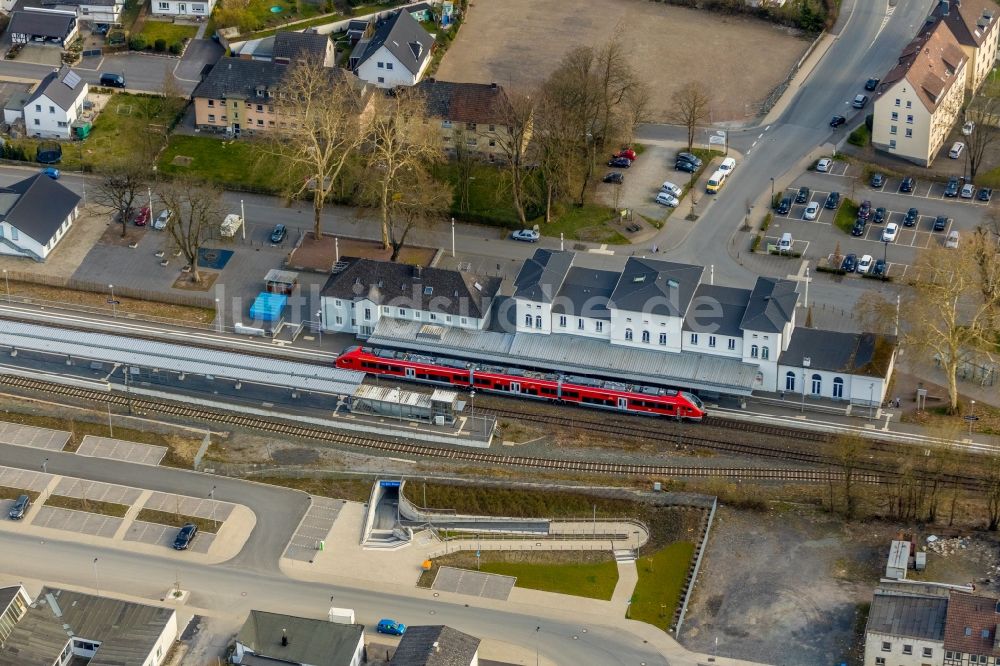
[(278, 509)]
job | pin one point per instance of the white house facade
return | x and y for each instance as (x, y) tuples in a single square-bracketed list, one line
[(397, 54), (179, 8), (55, 105), (35, 214)]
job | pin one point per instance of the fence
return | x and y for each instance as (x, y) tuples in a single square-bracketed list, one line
[(694, 571), (73, 284)]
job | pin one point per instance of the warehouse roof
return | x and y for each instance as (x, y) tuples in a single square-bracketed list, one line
[(907, 615), (127, 631)]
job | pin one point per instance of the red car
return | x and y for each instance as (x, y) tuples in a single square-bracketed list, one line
[(627, 152), (143, 217)]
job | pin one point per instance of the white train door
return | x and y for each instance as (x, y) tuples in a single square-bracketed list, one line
[(515, 387), (623, 404)]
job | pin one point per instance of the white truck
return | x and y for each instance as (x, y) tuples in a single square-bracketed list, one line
[(230, 225), (342, 615)]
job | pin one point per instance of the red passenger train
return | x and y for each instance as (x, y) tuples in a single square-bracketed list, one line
[(554, 387)]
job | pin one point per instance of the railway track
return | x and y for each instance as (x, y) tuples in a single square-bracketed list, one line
[(277, 426)]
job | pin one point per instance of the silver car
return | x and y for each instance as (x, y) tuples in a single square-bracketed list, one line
[(160, 223)]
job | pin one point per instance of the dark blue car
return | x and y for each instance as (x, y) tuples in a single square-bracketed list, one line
[(185, 536)]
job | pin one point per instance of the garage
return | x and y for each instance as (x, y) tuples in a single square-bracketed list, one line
[(42, 25)]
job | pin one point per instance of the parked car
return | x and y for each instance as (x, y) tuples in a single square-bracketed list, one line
[(185, 536), (19, 508), (802, 195), (879, 267), (912, 215), (833, 200), (160, 223), (784, 206), (956, 151), (51, 172), (824, 164), (890, 232), (865, 264), (671, 188), (880, 216), (812, 211), (837, 121), (908, 184), (850, 263), (620, 162), (391, 627), (860, 101), (112, 80), (968, 127), (951, 189), (682, 165), (940, 223), (968, 191), (526, 235), (627, 153), (689, 157), (279, 233), (865, 210), (616, 177), (985, 194), (877, 180), (143, 217), (728, 165), (859, 227), (871, 84), (667, 199), (952, 241)]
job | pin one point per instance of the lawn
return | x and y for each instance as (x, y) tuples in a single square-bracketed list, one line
[(596, 581), (257, 15), (661, 581), (846, 215), (168, 32), (239, 164)]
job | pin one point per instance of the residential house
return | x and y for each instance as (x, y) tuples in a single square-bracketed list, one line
[(358, 29), (436, 645), (397, 54), (270, 638), (196, 8), (471, 115), (974, 24), (63, 627), (93, 11), (356, 298), (971, 631), (905, 629), (421, 12), (14, 602), (49, 25), (35, 214), (290, 47), (55, 104), (920, 99)]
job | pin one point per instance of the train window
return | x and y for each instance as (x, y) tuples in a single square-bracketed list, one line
[(547, 391), (531, 391), (395, 368), (570, 394), (482, 381), (498, 385)]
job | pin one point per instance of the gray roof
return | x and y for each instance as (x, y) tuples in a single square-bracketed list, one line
[(76, 3), (483, 103), (7, 595), (717, 310), (771, 306), (405, 39), (585, 293), (128, 631), (55, 87), (866, 354), (317, 642), (235, 78), (541, 277), (436, 645), (295, 45), (656, 287), (908, 616), (43, 24), (402, 285), (422, 7), (17, 101), (37, 206)]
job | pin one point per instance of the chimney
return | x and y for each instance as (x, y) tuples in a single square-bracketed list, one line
[(417, 273), (437, 646), (284, 638), (493, 85)]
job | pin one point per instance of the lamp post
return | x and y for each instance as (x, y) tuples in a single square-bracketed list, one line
[(219, 316), (806, 362), (243, 219), (211, 496), (972, 416), (97, 579), (114, 304), (637, 545), (772, 191), (871, 399), (6, 283), (319, 322), (885, 258), (453, 237), (45, 464)]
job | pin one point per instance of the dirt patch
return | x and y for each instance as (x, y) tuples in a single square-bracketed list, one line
[(296, 456), (178, 520), (182, 160), (670, 45), (322, 254), (71, 250), (185, 282), (88, 505), (113, 235)]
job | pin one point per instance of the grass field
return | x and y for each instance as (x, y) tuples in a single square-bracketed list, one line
[(90, 506), (661, 580), (239, 163), (168, 32), (846, 215), (596, 581), (257, 15), (177, 520)]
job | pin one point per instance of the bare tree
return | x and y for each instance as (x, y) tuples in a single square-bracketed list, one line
[(638, 99), (465, 165), (947, 314), (120, 187), (322, 122), (849, 451), (197, 210), (875, 314), (986, 132), (400, 148), (691, 105), (551, 150), (420, 202), (515, 115), (992, 467)]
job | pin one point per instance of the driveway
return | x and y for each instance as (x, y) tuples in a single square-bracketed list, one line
[(200, 52)]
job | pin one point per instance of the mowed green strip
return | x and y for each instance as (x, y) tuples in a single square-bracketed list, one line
[(661, 581), (596, 581)]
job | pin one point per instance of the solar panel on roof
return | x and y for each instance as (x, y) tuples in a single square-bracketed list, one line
[(71, 79)]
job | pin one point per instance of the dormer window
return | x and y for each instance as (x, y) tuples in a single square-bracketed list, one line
[(260, 91)]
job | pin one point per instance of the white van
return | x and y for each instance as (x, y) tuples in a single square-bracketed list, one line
[(728, 165), (716, 181), (785, 243), (956, 150)]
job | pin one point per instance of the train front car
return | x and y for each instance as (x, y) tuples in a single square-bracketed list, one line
[(697, 404), (348, 359)]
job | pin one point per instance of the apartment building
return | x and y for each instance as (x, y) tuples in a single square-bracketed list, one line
[(905, 629), (974, 24)]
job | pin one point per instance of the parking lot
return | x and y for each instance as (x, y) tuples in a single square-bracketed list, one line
[(164, 535), (118, 449)]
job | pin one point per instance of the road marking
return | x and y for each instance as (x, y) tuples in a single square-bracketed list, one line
[(767, 128), (759, 136)]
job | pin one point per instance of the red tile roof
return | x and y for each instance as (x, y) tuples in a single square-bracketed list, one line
[(971, 625), (965, 17), (930, 63), (464, 102)]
